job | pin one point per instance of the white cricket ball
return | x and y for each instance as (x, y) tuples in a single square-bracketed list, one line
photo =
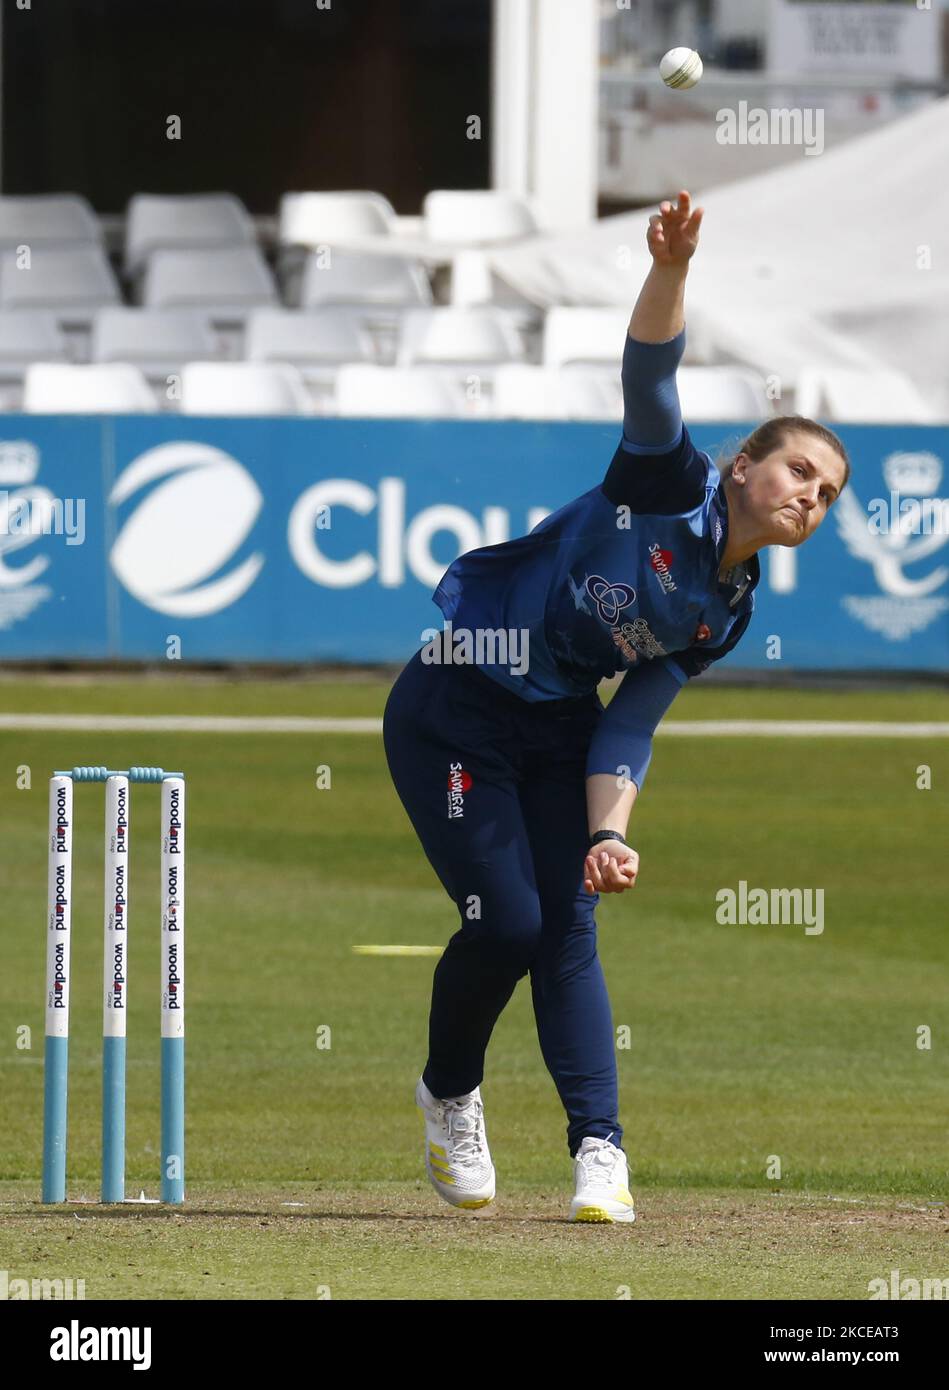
[(681, 68)]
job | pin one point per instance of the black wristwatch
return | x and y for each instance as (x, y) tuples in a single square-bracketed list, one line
[(607, 835)]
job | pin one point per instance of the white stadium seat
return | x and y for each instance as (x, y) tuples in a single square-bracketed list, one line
[(28, 335), (472, 216), (348, 278), (309, 340), (242, 388), (226, 284), (457, 336), (471, 281), (159, 341), (114, 388), (525, 392), (307, 221), (315, 342), (722, 393), (72, 280), (578, 393), (320, 219), (585, 336), (397, 392), (863, 395), (47, 217), (194, 221)]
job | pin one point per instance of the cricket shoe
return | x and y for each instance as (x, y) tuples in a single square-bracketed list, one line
[(602, 1182), (456, 1147)]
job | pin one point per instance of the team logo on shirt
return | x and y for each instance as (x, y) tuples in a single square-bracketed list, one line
[(637, 636), (633, 639), (609, 598), (625, 646), (702, 633), (459, 782), (661, 561)]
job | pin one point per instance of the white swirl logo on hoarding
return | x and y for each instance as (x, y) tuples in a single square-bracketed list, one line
[(894, 533), (186, 529)]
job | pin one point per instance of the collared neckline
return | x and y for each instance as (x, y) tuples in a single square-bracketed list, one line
[(746, 573)]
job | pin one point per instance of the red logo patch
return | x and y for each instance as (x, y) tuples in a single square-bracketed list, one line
[(459, 782), (661, 561), (661, 558), (702, 633)]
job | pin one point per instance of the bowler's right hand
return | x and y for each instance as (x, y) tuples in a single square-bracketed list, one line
[(673, 234), (610, 867)]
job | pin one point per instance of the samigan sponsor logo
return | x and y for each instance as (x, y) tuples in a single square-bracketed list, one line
[(661, 561), (459, 782)]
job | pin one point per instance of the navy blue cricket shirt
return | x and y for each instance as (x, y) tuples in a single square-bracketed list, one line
[(624, 577)]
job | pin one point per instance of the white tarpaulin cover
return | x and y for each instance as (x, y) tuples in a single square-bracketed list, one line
[(818, 263)]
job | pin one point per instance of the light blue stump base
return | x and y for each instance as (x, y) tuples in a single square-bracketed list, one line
[(173, 1120), (113, 1119), (56, 1072)]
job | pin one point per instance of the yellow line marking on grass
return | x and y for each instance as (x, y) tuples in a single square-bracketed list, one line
[(287, 724), (398, 950)]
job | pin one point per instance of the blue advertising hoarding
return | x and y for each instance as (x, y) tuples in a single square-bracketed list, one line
[(288, 540)]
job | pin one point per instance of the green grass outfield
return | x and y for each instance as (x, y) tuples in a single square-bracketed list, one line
[(305, 1168)]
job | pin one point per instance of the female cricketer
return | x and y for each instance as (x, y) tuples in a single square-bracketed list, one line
[(520, 784)]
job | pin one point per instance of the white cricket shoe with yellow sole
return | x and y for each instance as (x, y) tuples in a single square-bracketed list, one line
[(456, 1148), (602, 1180)]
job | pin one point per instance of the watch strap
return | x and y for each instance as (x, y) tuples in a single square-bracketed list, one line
[(606, 835)]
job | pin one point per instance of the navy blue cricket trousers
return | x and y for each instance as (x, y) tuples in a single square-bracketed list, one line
[(496, 790)]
